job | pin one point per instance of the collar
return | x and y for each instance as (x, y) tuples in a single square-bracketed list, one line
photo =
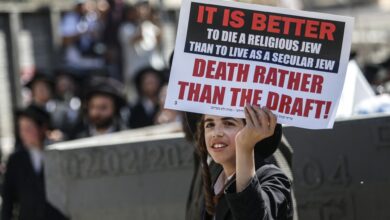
[(148, 106), (93, 131)]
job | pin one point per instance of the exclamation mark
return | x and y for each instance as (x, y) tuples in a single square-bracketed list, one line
[(327, 109)]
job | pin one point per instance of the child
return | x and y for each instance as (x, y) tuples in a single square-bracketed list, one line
[(247, 188), (24, 185)]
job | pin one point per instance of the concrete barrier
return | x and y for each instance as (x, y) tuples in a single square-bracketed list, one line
[(142, 178), (342, 173), (338, 174)]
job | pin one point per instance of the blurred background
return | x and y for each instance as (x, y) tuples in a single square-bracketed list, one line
[(101, 66), (69, 42)]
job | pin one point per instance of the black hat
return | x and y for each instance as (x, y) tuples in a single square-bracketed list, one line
[(268, 146), (263, 148), (107, 86), (36, 113), (40, 76), (72, 74), (386, 63)]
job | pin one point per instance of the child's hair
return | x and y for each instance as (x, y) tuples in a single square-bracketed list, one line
[(206, 175), (210, 198)]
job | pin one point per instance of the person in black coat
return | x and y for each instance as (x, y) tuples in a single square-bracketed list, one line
[(103, 101), (148, 83), (248, 187), (23, 192)]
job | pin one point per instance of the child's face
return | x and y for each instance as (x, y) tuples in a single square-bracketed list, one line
[(150, 85), (30, 133), (41, 92), (220, 134)]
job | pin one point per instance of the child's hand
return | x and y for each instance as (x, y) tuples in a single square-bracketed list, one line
[(260, 124)]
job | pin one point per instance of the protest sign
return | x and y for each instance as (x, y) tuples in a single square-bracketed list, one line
[(229, 54)]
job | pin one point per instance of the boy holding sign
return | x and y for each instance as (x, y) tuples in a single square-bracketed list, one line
[(290, 63), (247, 188)]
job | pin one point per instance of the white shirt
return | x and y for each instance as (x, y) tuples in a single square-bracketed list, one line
[(221, 182), (148, 106), (36, 160), (71, 25), (94, 132), (139, 54)]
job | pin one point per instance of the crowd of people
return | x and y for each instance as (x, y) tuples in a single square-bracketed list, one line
[(112, 37), (111, 77)]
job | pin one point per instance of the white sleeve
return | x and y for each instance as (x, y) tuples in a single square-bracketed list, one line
[(125, 33), (68, 27)]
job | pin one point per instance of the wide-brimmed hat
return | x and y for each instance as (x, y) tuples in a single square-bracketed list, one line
[(40, 77), (67, 72), (106, 86), (264, 148), (385, 63), (39, 115)]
